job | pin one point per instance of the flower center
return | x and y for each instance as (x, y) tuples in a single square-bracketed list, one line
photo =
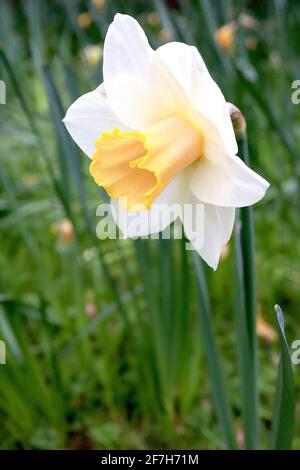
[(136, 166)]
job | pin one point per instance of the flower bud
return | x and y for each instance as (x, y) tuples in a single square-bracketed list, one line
[(224, 36), (238, 121)]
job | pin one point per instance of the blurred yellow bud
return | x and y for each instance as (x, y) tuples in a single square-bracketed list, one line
[(90, 309), (84, 20), (29, 180), (92, 54), (64, 229), (164, 35), (98, 3), (224, 36), (225, 251), (153, 18), (247, 21), (265, 330), (240, 437)]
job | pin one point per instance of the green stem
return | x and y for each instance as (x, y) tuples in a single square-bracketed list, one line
[(215, 371), (246, 316)]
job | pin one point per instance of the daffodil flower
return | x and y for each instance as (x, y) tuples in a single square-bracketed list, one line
[(158, 131)]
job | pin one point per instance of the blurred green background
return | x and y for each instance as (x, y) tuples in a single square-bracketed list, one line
[(104, 347)]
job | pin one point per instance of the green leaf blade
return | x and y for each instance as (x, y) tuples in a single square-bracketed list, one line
[(283, 421)]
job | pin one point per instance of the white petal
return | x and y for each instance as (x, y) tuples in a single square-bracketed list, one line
[(217, 229), (164, 211), (88, 117), (203, 93), (139, 86), (181, 60), (227, 183)]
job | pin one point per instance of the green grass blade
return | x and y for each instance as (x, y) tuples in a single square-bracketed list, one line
[(68, 150), (74, 163), (284, 409), (247, 370), (16, 86), (272, 117), (165, 18), (182, 328), (246, 318), (156, 333), (8, 334), (215, 372)]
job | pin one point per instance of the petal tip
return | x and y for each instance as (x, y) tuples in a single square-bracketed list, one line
[(118, 16), (212, 264), (122, 17)]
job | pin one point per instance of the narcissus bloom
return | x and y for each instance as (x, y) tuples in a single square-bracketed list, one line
[(159, 132)]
